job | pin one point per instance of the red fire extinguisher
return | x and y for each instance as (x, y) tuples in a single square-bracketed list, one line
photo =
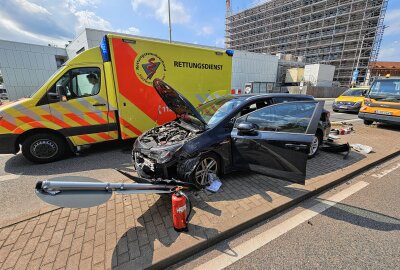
[(180, 214)]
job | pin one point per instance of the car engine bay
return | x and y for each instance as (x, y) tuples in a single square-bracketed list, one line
[(167, 134)]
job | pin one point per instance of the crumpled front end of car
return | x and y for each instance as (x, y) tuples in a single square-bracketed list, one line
[(156, 153)]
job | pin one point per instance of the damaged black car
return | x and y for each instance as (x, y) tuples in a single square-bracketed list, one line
[(271, 134)]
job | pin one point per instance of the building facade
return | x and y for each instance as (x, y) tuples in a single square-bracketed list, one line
[(25, 67), (378, 69), (343, 33)]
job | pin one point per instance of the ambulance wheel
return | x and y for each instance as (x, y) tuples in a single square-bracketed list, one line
[(43, 147), (208, 163)]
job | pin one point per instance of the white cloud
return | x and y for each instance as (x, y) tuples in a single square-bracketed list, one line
[(37, 38), (392, 19), (88, 19), (25, 21), (31, 7), (389, 52), (74, 5), (159, 8), (220, 42), (205, 31), (130, 31)]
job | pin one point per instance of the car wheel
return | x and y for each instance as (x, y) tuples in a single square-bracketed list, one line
[(315, 144), (208, 163), (368, 122), (43, 148), (335, 110)]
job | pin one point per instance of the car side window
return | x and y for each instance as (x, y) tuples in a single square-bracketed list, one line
[(291, 117), (78, 82)]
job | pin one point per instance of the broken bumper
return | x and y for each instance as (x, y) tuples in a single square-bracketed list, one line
[(380, 118), (149, 168)]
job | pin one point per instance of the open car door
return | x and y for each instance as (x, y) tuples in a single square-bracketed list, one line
[(276, 140)]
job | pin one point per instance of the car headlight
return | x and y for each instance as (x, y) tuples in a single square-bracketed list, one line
[(357, 104), (165, 154)]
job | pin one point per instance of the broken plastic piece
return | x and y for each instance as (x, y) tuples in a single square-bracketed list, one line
[(215, 183), (363, 149), (336, 148)]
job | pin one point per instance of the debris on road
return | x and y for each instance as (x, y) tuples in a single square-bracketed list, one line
[(336, 148), (363, 149), (215, 183)]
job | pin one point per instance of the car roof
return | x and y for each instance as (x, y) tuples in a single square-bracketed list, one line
[(269, 95), (359, 88)]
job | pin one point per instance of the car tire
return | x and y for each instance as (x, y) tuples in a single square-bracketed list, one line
[(316, 143), (43, 147), (368, 122), (335, 110), (208, 163)]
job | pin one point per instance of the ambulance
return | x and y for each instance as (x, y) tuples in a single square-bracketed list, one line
[(105, 94)]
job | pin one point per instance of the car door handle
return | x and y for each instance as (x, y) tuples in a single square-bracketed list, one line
[(296, 146), (99, 104)]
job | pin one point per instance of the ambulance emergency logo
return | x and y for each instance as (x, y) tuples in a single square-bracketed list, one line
[(149, 66)]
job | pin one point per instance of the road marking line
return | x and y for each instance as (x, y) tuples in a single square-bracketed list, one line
[(385, 172), (244, 249), (9, 177)]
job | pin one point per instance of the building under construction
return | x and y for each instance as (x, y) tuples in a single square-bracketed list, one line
[(343, 33)]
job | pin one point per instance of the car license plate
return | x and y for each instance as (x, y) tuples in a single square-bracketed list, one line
[(342, 107), (383, 112)]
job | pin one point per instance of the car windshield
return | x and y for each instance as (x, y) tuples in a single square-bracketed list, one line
[(386, 90), (353, 93), (216, 110)]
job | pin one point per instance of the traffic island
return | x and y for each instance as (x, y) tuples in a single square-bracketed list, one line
[(135, 231)]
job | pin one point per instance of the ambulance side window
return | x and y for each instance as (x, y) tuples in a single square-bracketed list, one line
[(78, 82), (85, 82)]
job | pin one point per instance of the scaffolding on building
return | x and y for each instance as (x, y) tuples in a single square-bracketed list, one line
[(343, 33)]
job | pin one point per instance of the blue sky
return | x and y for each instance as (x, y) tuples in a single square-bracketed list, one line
[(194, 21)]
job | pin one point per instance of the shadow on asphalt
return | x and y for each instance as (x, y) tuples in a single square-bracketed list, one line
[(240, 185), (361, 217), (116, 154), (388, 127)]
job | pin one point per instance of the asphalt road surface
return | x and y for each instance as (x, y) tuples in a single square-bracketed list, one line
[(353, 226), (341, 116)]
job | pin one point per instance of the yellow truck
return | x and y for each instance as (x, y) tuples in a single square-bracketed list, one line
[(382, 102), (105, 93)]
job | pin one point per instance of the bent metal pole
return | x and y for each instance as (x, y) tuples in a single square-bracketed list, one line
[(54, 187)]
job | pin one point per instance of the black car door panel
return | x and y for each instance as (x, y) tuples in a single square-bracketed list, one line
[(279, 146)]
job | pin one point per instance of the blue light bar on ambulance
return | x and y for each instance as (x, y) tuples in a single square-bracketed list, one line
[(230, 52), (105, 53)]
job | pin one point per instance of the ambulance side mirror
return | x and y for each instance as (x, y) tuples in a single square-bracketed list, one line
[(62, 93)]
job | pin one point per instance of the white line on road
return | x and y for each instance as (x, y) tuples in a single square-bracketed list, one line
[(9, 177), (224, 260), (385, 172)]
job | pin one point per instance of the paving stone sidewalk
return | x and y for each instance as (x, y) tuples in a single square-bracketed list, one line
[(135, 231)]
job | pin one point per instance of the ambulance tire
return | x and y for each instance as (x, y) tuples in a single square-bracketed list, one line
[(43, 147)]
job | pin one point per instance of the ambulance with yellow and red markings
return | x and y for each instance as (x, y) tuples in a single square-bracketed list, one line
[(106, 93)]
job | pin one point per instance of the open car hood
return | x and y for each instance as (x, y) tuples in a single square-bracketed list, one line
[(175, 101)]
